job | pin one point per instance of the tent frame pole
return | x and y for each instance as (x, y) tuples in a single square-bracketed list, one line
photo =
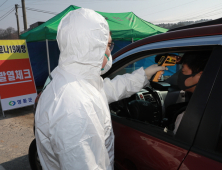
[(47, 49), (2, 107)]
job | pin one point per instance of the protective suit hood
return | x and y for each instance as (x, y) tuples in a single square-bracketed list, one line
[(82, 39)]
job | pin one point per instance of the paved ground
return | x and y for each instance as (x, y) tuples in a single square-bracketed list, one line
[(16, 134)]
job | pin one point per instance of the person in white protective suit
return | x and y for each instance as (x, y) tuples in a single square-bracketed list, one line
[(72, 123)]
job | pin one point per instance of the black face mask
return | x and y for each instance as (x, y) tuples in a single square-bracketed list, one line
[(181, 80)]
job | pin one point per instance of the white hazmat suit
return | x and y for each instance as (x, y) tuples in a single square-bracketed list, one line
[(72, 123)]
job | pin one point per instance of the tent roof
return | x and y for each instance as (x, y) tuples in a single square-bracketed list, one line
[(124, 26)]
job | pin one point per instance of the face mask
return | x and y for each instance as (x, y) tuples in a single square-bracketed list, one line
[(108, 64), (181, 81)]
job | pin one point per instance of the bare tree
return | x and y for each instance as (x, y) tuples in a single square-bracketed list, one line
[(10, 30), (8, 33), (180, 24), (2, 33)]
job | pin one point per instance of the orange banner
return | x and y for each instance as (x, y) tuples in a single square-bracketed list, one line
[(16, 78)]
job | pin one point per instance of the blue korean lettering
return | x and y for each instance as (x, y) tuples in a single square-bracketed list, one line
[(24, 101), (19, 101)]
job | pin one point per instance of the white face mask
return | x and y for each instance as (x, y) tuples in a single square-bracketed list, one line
[(108, 65)]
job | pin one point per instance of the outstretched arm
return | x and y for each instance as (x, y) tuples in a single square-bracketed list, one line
[(123, 86)]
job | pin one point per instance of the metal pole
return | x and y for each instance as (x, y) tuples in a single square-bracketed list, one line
[(132, 40), (16, 13), (47, 49), (2, 107), (24, 15), (3, 113)]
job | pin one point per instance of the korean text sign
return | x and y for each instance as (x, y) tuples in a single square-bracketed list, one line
[(17, 86)]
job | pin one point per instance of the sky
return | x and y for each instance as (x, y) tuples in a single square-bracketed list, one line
[(154, 11)]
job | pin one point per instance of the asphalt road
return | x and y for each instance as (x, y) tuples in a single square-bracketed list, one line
[(16, 134)]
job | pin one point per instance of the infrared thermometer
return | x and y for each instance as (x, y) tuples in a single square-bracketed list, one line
[(164, 61)]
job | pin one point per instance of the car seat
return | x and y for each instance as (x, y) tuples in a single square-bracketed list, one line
[(172, 112)]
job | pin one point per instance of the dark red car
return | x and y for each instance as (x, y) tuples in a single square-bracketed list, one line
[(142, 137)]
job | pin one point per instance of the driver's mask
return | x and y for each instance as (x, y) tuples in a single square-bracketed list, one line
[(108, 64), (181, 80)]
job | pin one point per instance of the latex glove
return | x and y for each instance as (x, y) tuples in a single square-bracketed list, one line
[(151, 70)]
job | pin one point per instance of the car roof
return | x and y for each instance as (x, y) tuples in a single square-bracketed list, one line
[(178, 34)]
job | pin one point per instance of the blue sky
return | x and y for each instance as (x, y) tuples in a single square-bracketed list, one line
[(154, 11)]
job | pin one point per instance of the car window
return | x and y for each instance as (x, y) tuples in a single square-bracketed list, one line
[(145, 62), (146, 101), (162, 100)]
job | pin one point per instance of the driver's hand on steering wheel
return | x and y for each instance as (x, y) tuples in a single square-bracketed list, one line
[(151, 70)]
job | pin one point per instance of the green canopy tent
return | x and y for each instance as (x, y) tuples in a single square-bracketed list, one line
[(124, 27)]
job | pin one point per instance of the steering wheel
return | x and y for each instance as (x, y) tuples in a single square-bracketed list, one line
[(147, 111), (156, 98)]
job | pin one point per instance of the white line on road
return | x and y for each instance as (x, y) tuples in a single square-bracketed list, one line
[(2, 168)]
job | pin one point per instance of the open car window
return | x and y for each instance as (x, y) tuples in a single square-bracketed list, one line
[(145, 62), (158, 104), (146, 106)]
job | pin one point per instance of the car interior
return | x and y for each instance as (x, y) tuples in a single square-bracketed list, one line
[(158, 103)]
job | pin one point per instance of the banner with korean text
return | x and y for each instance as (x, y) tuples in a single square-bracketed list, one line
[(17, 86)]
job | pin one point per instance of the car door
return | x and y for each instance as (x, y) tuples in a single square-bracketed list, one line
[(145, 146), (206, 153)]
